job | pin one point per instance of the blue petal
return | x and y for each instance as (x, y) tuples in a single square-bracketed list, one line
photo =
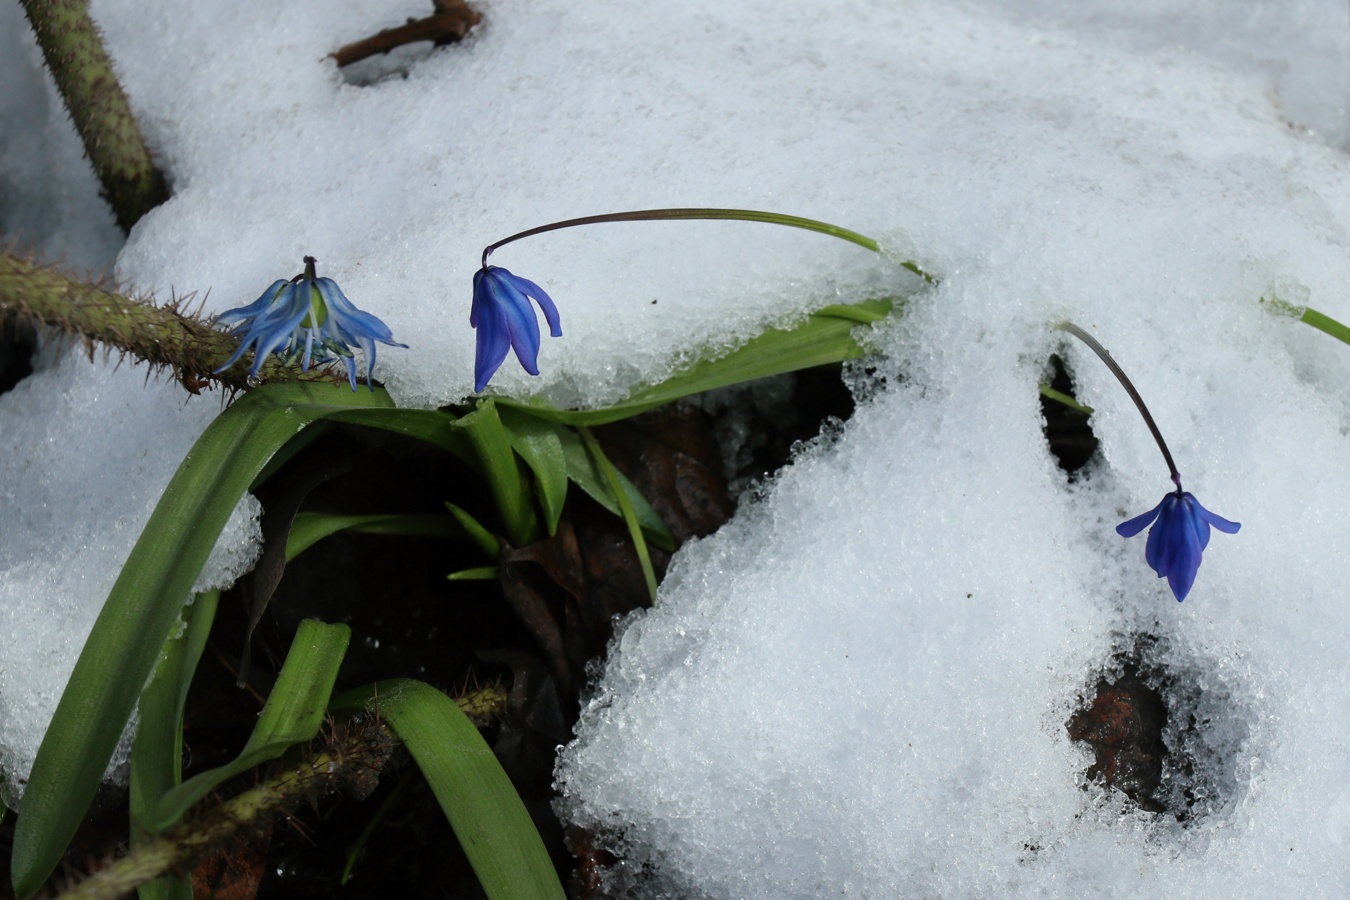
[(1183, 552), (537, 294), (230, 316), (504, 317), (1131, 527), (1217, 521), (520, 323), (493, 340), (1155, 551)]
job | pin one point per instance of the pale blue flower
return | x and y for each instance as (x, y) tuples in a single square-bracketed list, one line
[(505, 319), (1177, 538), (309, 320)]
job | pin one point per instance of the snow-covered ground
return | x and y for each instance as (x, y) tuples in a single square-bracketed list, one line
[(860, 684)]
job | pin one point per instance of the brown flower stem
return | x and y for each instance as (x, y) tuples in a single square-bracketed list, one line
[(164, 336), (73, 48)]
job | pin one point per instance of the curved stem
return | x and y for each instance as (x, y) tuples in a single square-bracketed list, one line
[(1124, 379), (744, 215)]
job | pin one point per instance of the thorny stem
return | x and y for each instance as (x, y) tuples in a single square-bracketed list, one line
[(356, 758), (73, 49), (1124, 379), (164, 336), (744, 215), (353, 761)]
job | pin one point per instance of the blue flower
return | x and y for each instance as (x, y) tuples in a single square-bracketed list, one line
[(504, 318), (1178, 538), (307, 319)]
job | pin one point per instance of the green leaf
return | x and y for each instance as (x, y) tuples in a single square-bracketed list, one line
[(157, 752), (292, 715), (485, 540), (484, 809), (428, 425), (1060, 397), (483, 427), (1326, 324), (483, 573), (143, 608), (309, 528), (826, 336), (630, 518), (537, 443), (582, 468)]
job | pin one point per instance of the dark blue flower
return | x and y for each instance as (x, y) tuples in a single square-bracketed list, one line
[(1179, 536), (306, 319), (504, 318)]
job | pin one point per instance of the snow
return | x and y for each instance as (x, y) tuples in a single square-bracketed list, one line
[(860, 685)]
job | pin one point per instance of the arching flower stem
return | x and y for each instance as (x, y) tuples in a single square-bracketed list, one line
[(1125, 382), (744, 215)]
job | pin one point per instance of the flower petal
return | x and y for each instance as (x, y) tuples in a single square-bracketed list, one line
[(493, 340), (1218, 521), (537, 294), (1131, 527)]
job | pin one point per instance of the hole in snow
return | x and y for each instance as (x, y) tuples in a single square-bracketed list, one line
[(1067, 430), (759, 425), (18, 343), (1163, 730)]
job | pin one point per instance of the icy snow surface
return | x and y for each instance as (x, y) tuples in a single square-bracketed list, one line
[(860, 685)]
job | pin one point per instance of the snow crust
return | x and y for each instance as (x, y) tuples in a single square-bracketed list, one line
[(860, 685)]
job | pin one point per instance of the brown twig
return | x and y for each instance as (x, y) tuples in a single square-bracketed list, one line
[(448, 24)]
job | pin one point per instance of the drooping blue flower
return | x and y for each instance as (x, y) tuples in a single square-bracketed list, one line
[(307, 319), (1177, 539), (504, 318)]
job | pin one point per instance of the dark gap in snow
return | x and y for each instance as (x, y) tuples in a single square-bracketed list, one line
[(18, 343), (1163, 730), (760, 425), (1067, 430)]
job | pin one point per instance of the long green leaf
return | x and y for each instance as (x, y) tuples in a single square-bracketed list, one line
[(1326, 324), (143, 608), (537, 443), (483, 428), (292, 715), (630, 517), (824, 337), (157, 753), (484, 809), (309, 528), (582, 468)]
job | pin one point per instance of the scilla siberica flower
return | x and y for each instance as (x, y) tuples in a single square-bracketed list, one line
[(504, 319), (1181, 525), (1178, 537), (307, 319)]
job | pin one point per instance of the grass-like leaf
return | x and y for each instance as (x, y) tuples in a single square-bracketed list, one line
[(826, 336), (484, 429), (292, 715), (484, 810), (537, 443), (309, 528), (157, 754), (583, 469), (144, 606), (626, 510)]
